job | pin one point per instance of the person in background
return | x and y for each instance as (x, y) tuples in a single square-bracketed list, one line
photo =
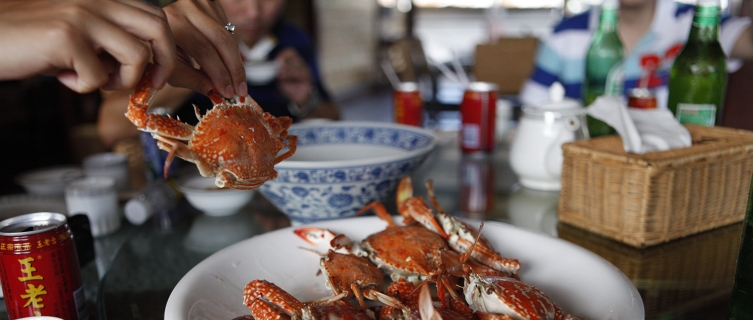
[(652, 33), (107, 44), (297, 91)]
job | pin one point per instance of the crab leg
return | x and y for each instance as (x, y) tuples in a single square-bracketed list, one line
[(426, 306), (292, 145), (375, 295), (461, 237), (139, 103), (159, 126), (177, 148), (380, 210)]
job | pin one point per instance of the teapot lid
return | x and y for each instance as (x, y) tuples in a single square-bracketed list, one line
[(563, 105), (563, 108)]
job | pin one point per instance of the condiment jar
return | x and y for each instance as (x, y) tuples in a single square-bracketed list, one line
[(536, 151)]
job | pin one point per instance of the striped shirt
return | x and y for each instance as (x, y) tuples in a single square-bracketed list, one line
[(561, 54)]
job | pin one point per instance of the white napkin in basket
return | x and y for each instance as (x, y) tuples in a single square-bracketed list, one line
[(641, 130)]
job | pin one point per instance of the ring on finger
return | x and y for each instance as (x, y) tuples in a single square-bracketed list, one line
[(230, 28)]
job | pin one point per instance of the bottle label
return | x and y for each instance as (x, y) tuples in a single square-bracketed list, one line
[(703, 114)]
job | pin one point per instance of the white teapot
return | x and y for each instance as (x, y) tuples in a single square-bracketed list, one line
[(536, 151)]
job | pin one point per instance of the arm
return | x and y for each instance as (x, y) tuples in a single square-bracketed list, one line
[(297, 84), (87, 44), (536, 89), (743, 48)]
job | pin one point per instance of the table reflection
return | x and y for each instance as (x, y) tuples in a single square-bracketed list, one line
[(685, 279)]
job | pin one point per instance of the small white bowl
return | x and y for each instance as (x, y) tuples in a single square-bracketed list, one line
[(341, 166), (261, 72), (48, 181), (203, 195)]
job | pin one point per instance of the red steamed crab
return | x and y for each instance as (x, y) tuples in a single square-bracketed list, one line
[(500, 296), (236, 141), (459, 235)]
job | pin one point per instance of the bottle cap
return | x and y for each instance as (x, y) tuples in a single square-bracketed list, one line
[(138, 211), (610, 4), (708, 3)]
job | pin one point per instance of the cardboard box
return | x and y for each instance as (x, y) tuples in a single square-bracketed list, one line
[(509, 63)]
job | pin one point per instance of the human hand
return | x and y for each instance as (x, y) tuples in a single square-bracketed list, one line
[(198, 27), (294, 78), (87, 44)]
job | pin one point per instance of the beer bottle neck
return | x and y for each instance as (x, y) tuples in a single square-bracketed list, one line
[(705, 24), (608, 19)]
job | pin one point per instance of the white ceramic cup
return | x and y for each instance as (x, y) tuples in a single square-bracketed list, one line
[(95, 197), (109, 164)]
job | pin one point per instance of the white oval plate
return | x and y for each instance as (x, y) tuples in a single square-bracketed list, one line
[(580, 282)]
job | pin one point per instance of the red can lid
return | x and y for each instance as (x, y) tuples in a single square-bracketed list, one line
[(407, 87), (483, 87), (31, 223), (641, 93)]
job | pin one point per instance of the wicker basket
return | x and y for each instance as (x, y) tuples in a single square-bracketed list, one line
[(644, 200)]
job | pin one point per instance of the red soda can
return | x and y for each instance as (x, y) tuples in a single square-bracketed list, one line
[(478, 112), (409, 108), (39, 268), (476, 186), (641, 98)]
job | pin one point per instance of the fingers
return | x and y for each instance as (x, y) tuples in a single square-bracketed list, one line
[(88, 44), (185, 76), (293, 67), (147, 23), (131, 54), (85, 72), (198, 29)]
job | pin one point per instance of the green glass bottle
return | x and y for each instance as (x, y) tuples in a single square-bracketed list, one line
[(741, 304), (698, 78), (604, 54)]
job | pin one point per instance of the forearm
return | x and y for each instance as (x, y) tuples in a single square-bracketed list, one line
[(743, 48), (325, 110), (112, 123)]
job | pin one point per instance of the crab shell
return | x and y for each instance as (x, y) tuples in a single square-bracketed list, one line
[(344, 270), (511, 297), (406, 252), (239, 144)]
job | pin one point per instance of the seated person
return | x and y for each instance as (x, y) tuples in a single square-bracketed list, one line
[(648, 29), (297, 90)]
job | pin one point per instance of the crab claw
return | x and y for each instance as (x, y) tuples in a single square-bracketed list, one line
[(315, 236), (404, 190)]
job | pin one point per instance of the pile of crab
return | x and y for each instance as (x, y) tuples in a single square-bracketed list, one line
[(395, 267)]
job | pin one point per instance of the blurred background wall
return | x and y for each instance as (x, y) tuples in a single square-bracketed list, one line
[(43, 123)]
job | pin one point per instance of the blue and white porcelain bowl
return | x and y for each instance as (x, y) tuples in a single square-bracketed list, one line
[(339, 167)]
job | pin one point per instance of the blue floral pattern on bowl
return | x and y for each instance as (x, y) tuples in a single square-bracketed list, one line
[(314, 194)]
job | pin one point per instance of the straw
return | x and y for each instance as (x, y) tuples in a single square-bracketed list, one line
[(460, 71), (391, 75), (446, 71), (614, 80)]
